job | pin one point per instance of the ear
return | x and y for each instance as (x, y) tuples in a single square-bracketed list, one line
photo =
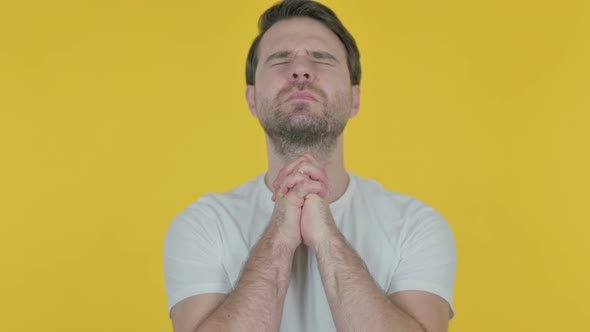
[(251, 99), (356, 100)]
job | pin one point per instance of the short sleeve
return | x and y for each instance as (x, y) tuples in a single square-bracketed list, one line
[(192, 256), (428, 255)]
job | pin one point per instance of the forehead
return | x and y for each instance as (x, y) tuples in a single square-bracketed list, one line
[(300, 33)]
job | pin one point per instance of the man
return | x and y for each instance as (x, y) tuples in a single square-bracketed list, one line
[(308, 246)]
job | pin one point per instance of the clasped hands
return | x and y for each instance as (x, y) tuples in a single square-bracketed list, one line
[(301, 195)]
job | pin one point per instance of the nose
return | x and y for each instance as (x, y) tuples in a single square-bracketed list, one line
[(302, 76), (301, 71)]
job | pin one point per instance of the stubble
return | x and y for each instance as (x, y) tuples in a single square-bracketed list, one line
[(295, 128)]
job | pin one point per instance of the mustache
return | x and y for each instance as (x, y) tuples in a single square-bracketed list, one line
[(300, 86)]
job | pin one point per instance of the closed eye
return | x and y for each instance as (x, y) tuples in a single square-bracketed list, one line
[(279, 63), (324, 57)]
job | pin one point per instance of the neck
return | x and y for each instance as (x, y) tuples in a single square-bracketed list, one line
[(333, 164)]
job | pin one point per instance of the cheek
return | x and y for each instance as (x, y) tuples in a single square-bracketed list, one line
[(265, 93), (268, 89)]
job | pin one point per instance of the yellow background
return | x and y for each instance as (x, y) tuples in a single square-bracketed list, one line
[(115, 115)]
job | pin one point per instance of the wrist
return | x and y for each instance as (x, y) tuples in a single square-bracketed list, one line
[(280, 242), (327, 238)]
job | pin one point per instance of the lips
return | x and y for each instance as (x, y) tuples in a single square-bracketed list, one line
[(302, 95)]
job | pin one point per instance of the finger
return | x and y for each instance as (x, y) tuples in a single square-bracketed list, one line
[(286, 171), (289, 182), (292, 199), (313, 171), (307, 187), (292, 167), (316, 187), (309, 169), (304, 185)]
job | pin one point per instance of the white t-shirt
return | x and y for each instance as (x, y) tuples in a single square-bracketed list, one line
[(405, 244)]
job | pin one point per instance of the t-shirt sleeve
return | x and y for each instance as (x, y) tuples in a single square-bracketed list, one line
[(193, 256), (428, 255)]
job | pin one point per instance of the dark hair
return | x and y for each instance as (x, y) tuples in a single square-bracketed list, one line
[(304, 8)]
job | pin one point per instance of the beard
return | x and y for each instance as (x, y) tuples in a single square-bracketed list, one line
[(295, 128)]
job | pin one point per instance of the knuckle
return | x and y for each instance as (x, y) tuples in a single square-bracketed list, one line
[(303, 179), (306, 183), (291, 199), (300, 190)]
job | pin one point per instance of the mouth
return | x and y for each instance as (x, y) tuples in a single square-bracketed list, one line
[(302, 95)]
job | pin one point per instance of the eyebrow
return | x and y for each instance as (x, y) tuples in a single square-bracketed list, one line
[(314, 54)]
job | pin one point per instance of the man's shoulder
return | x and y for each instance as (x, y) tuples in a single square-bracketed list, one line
[(244, 191), (214, 205), (404, 206), (374, 190)]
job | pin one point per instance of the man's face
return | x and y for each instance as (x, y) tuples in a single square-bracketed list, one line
[(302, 97)]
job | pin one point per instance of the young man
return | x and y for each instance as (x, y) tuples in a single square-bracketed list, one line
[(308, 246)]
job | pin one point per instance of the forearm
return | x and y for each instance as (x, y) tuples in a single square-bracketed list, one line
[(256, 304), (356, 302)]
